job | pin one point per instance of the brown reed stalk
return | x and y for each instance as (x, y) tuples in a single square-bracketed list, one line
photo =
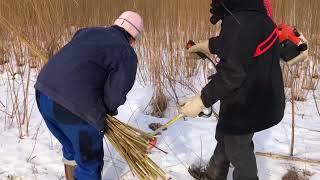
[(132, 145), (46, 25)]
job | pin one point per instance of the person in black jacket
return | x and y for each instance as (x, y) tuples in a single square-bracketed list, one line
[(82, 83), (248, 83)]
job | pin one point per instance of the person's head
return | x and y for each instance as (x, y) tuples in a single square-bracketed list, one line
[(131, 22)]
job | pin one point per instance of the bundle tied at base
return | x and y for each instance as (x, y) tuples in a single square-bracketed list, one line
[(132, 144)]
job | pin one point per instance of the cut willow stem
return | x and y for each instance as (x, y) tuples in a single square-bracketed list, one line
[(132, 145)]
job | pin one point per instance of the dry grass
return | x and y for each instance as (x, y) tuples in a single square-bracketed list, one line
[(297, 174), (133, 146), (31, 31), (49, 24), (303, 15)]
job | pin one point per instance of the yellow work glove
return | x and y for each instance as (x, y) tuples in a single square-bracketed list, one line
[(193, 107), (202, 46)]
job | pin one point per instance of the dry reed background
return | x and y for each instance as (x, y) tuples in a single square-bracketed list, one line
[(46, 25)]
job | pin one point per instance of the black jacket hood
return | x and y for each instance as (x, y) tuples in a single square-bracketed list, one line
[(244, 5), (221, 8)]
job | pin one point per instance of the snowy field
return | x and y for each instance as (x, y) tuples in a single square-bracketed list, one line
[(38, 156)]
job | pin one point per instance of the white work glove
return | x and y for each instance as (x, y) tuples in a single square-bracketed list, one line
[(193, 107), (202, 46)]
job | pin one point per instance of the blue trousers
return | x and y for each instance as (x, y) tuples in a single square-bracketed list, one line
[(80, 141)]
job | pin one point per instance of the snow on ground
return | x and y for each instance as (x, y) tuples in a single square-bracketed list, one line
[(38, 156)]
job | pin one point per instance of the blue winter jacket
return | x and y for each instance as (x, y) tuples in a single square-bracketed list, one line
[(92, 74)]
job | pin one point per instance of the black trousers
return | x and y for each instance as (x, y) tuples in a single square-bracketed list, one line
[(237, 150)]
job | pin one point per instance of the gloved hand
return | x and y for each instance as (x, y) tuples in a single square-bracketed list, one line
[(193, 107), (202, 46)]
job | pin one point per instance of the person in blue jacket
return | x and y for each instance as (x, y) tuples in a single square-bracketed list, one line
[(82, 83)]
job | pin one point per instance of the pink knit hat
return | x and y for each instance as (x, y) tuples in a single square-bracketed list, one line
[(132, 22)]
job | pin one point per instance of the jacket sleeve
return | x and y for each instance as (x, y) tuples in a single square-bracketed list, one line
[(229, 77), (231, 71), (213, 44), (120, 80)]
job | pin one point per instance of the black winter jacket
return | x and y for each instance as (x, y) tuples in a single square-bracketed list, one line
[(250, 88)]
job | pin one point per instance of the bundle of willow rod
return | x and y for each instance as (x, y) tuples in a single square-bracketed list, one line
[(132, 144)]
